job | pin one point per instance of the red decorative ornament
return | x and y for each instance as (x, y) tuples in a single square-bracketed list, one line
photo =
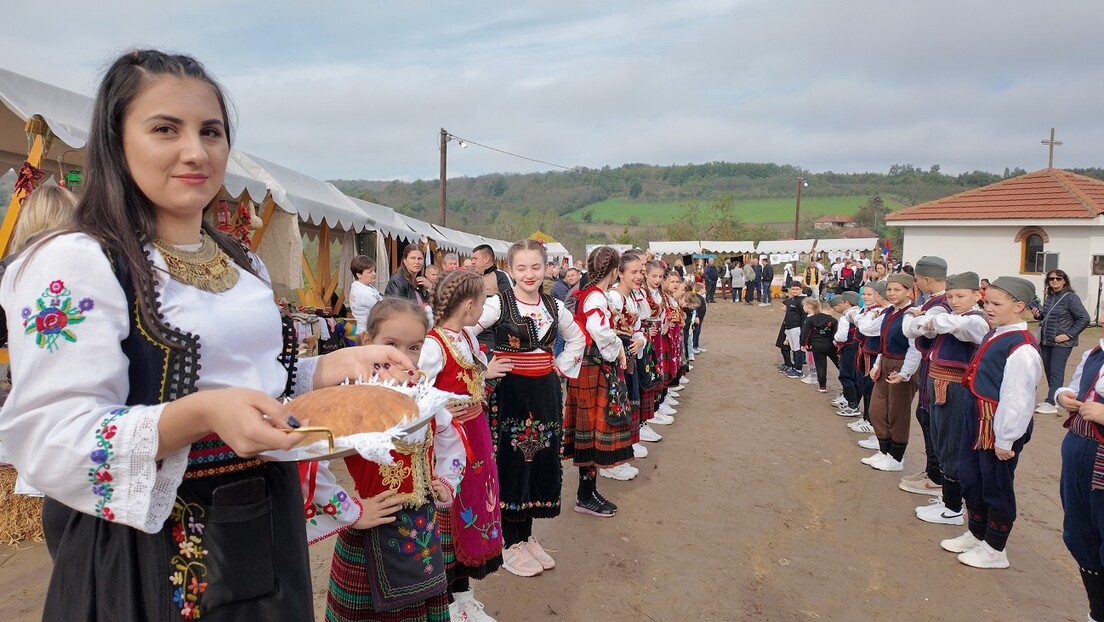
[(29, 176)]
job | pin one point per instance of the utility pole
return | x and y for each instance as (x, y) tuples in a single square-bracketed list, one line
[(797, 211), (444, 168)]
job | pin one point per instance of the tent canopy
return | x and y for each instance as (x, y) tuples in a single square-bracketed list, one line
[(313, 199), (688, 247), (769, 247), (425, 231), (556, 250), (385, 219), (843, 245), (728, 247), (501, 247)]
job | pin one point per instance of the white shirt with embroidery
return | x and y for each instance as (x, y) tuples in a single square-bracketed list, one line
[(571, 359), (598, 326), (361, 300), (618, 303), (66, 424), (432, 358), (1074, 385)]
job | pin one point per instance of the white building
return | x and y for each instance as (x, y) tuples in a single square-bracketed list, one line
[(1021, 226)]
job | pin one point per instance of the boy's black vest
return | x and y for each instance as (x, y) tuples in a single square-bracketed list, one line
[(986, 373)]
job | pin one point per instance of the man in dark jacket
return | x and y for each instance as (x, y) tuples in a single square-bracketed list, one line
[(754, 286), (711, 278), (766, 281)]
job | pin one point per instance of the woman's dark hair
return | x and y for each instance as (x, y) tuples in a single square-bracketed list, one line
[(628, 257), (602, 261), (360, 263), (1066, 287), (112, 209)]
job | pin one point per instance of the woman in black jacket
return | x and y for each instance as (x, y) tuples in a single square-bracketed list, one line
[(406, 283), (1061, 320)]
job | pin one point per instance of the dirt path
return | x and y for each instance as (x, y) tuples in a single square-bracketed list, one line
[(754, 507)]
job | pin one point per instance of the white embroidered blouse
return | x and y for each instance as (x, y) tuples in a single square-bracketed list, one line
[(571, 359), (66, 424), (598, 326)]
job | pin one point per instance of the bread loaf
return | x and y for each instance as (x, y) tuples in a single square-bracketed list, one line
[(354, 408)]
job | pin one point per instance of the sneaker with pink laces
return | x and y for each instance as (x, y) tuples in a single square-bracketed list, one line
[(517, 560), (539, 554)]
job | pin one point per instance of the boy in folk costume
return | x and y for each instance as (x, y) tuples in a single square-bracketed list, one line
[(846, 305), (931, 279), (526, 414), (892, 373), (954, 339), (1082, 480), (592, 437), (1001, 378)]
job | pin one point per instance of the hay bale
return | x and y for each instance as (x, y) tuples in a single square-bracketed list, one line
[(20, 515)]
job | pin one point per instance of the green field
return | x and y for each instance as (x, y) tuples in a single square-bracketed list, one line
[(619, 210)]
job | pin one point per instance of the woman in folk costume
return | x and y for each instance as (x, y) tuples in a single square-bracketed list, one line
[(393, 570), (676, 318), (593, 435), (526, 412), (172, 355), (471, 530), (628, 306), (655, 369)]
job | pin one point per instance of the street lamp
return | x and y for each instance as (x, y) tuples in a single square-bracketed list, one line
[(444, 140), (801, 183)]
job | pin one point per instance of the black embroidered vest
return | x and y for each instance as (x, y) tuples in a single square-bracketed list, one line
[(517, 333)]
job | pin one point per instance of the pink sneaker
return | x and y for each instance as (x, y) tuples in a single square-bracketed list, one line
[(538, 553), (517, 560)]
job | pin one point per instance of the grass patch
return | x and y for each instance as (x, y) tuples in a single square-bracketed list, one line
[(620, 210)]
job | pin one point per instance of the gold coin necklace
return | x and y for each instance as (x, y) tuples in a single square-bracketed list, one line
[(207, 268)]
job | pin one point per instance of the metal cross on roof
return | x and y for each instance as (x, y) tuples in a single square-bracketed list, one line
[(1052, 143)]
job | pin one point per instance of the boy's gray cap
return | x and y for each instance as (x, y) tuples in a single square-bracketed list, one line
[(1020, 289), (932, 266), (850, 297), (879, 286), (966, 280)]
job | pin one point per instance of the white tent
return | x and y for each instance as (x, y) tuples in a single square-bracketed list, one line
[(845, 245), (785, 247), (424, 230), (501, 247), (675, 248), (463, 243), (385, 220), (556, 251), (728, 247)]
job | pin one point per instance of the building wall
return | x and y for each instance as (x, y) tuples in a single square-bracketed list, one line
[(991, 251)]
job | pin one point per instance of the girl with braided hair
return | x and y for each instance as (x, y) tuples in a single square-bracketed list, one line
[(471, 530), (525, 409), (590, 439), (629, 307)]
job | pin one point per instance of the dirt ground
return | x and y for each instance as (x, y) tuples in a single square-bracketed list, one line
[(754, 507)]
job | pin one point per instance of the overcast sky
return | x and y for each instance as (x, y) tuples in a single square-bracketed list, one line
[(843, 85)]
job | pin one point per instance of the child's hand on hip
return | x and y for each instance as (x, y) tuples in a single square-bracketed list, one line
[(378, 510)]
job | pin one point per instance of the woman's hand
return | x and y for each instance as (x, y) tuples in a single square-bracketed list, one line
[(1035, 312), (1062, 338), (442, 492), (498, 367), (362, 362), (1004, 454), (1069, 401), (248, 421), (622, 361), (378, 510), (636, 346)]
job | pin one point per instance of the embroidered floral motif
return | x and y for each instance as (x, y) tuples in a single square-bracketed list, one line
[(53, 316), (529, 436), (491, 529), (338, 505), (188, 567), (418, 539), (99, 474)]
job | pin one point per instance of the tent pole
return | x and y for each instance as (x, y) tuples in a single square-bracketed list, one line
[(41, 145), (266, 215)]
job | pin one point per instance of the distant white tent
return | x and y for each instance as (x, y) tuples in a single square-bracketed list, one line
[(688, 247), (846, 245), (772, 247), (733, 248)]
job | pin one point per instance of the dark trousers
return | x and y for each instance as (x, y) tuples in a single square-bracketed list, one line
[(820, 362), (988, 482), (697, 335), (849, 374), (867, 386), (737, 293), (752, 292), (765, 291), (1054, 368), (923, 417), (710, 290), (946, 439), (1083, 524)]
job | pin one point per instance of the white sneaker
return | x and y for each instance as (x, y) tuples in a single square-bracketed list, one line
[(700, 350), (839, 401), (984, 556), (639, 451), (468, 608), (961, 544), (684, 381), (697, 350), (648, 435), (764, 304), (888, 463), (810, 379), (936, 512), (618, 473), (671, 402), (664, 409), (1042, 409), (862, 426), (847, 411), (872, 459), (869, 443), (661, 419), (673, 392), (689, 368)]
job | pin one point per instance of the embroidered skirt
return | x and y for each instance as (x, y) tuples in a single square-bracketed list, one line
[(473, 526), (632, 383), (350, 597), (526, 421), (230, 562), (588, 438), (390, 572)]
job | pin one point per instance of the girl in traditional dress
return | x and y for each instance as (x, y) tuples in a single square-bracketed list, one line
[(395, 570), (526, 406), (629, 307), (590, 439), (651, 396), (471, 530), (675, 320), (147, 359)]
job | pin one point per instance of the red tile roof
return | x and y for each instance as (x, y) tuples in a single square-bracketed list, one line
[(1049, 193), (859, 232), (831, 219)]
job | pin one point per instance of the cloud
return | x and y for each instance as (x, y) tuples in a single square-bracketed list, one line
[(360, 90)]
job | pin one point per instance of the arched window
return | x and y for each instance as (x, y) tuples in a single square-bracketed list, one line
[(1032, 253)]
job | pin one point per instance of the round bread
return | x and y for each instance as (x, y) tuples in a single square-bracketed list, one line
[(354, 408)]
